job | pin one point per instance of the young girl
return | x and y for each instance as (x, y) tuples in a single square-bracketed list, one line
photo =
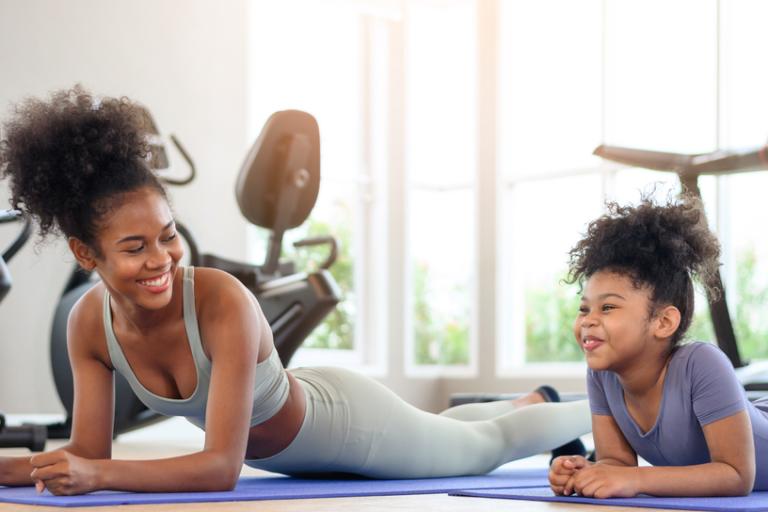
[(194, 343), (678, 406)]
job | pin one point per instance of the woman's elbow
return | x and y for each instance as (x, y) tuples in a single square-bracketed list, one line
[(224, 475)]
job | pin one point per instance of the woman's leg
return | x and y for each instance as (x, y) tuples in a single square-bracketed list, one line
[(488, 410), (356, 425)]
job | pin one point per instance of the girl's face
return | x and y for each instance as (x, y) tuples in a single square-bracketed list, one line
[(140, 249), (614, 327)]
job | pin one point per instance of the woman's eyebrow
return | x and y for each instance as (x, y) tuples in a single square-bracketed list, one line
[(133, 238)]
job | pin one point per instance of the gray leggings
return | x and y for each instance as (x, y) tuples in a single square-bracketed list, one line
[(355, 425)]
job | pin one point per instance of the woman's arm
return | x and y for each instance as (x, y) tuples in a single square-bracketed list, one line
[(93, 408), (731, 471), (232, 330)]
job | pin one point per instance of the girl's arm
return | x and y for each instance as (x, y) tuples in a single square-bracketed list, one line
[(731, 471), (233, 332), (611, 449)]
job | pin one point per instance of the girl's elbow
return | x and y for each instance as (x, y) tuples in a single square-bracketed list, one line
[(744, 485)]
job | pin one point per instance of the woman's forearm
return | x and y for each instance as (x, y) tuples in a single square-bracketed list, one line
[(202, 471), (711, 479), (15, 471)]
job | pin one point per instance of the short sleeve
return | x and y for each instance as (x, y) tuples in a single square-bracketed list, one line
[(598, 403), (715, 391)]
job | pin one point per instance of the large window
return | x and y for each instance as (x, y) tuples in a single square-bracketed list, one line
[(440, 168), (408, 119)]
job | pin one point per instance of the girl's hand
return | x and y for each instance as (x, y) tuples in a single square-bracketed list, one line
[(561, 473), (606, 481), (63, 473)]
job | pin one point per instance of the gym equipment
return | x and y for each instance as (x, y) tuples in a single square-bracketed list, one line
[(276, 189), (25, 436), (688, 168)]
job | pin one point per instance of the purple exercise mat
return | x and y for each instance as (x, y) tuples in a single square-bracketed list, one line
[(755, 502), (283, 488)]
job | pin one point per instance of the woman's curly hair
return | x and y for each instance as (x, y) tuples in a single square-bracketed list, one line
[(71, 157), (661, 246)]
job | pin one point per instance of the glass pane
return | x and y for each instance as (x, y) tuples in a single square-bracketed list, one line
[(440, 97), (333, 215), (549, 85), (744, 102), (441, 241), (660, 74), (633, 183), (543, 220), (746, 268), (310, 62), (440, 167)]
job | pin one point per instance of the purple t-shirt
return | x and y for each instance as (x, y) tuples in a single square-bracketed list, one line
[(700, 387)]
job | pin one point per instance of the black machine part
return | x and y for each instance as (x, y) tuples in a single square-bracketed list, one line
[(689, 168), (32, 437)]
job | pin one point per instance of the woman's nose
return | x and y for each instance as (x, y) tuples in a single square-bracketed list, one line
[(158, 257)]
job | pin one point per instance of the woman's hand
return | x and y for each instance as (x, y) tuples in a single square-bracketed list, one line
[(561, 473), (604, 481), (63, 473)]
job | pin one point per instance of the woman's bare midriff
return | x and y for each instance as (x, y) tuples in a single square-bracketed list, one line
[(275, 434)]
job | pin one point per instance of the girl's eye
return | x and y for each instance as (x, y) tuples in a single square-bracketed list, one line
[(583, 310), (135, 250), (170, 237), (608, 307)]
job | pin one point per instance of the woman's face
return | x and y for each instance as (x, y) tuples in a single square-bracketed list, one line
[(614, 327), (139, 249)]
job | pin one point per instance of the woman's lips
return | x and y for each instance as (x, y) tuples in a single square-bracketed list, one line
[(157, 284)]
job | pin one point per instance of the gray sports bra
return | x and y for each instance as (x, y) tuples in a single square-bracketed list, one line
[(271, 385)]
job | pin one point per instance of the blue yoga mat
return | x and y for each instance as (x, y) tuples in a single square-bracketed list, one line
[(757, 501), (283, 488)]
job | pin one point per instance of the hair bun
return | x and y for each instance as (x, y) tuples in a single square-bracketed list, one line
[(64, 154)]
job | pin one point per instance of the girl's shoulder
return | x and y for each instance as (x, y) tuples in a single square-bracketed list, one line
[(699, 353)]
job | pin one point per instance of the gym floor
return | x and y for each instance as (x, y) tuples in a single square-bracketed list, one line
[(177, 437)]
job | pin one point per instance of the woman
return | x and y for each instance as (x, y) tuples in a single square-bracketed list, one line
[(194, 343)]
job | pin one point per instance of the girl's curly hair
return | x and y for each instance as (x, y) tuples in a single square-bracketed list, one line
[(71, 157), (661, 246)]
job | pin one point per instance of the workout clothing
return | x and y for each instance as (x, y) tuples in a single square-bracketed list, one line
[(271, 386), (356, 425), (700, 387), (353, 424)]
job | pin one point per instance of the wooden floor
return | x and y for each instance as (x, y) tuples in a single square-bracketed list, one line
[(158, 443)]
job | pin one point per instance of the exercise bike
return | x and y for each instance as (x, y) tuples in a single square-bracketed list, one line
[(276, 190), (32, 437)]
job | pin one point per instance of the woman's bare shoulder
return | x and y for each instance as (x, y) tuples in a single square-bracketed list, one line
[(85, 326)]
